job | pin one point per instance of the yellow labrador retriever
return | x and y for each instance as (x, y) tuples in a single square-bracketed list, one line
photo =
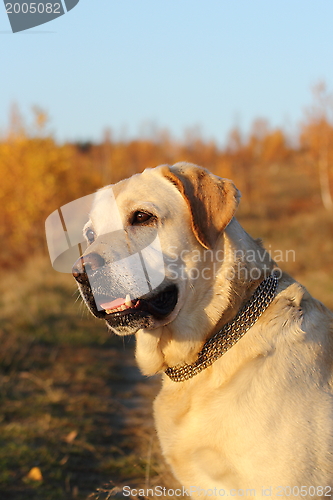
[(246, 354)]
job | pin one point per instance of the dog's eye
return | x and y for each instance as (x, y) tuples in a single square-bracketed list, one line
[(90, 235), (141, 217)]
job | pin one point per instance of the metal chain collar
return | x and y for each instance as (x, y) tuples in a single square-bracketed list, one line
[(230, 333)]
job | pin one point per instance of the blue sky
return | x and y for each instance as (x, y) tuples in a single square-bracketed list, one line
[(180, 64)]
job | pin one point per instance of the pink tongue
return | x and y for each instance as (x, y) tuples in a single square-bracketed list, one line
[(115, 303)]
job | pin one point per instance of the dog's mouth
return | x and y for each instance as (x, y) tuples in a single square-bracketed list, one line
[(159, 305), (127, 313)]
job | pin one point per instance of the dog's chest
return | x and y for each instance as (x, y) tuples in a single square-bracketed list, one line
[(241, 435), (206, 437)]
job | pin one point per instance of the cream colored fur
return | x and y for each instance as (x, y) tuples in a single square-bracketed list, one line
[(261, 417)]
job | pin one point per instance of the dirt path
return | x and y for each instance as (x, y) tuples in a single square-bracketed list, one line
[(83, 416), (135, 395)]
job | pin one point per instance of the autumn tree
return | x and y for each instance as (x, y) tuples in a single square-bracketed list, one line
[(317, 138)]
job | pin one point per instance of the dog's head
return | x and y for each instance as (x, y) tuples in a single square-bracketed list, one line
[(142, 235)]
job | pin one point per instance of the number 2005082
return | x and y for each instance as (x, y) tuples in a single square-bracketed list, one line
[(303, 491), (33, 8)]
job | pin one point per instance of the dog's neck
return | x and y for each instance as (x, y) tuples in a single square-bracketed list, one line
[(236, 279), (225, 338)]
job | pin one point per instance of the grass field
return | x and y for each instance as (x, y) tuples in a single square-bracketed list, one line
[(73, 403), (75, 414)]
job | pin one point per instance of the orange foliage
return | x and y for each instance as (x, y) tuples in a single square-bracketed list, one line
[(38, 175)]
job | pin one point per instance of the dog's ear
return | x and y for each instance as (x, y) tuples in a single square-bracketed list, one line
[(212, 201)]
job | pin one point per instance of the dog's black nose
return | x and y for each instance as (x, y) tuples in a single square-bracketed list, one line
[(86, 263)]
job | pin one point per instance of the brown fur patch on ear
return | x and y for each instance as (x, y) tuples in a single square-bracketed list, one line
[(212, 200)]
